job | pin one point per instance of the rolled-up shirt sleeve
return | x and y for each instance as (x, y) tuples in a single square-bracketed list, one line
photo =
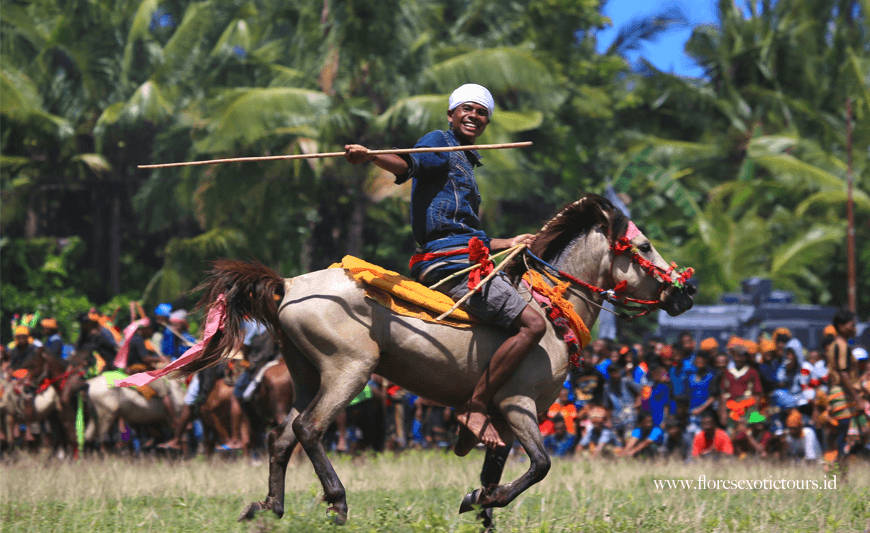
[(422, 164)]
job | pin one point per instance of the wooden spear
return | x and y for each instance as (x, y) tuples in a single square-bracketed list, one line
[(340, 154)]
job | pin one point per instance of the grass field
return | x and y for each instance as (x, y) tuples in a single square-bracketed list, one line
[(419, 491)]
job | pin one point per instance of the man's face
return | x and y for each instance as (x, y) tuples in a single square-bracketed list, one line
[(559, 428), (468, 120), (708, 427), (848, 329), (687, 342), (22, 340)]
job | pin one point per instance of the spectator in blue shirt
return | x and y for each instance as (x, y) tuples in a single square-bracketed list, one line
[(619, 398), (660, 397), (599, 438), (560, 443), (701, 393), (645, 439)]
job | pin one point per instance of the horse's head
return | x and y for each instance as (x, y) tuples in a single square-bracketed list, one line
[(604, 252), (638, 267)]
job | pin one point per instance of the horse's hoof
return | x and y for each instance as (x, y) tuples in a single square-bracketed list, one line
[(340, 510), (250, 511), (469, 501)]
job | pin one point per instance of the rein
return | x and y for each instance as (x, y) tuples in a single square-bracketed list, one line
[(672, 276)]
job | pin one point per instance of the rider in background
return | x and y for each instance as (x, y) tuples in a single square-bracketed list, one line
[(176, 339), (53, 341), (162, 336), (23, 350), (95, 341), (444, 216)]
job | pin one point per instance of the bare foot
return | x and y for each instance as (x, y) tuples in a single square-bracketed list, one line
[(233, 444), (172, 444), (480, 425)]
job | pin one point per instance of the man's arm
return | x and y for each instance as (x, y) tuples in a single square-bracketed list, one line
[(502, 244), (357, 153), (701, 408), (852, 390)]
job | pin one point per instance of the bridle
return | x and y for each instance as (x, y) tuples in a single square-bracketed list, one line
[(626, 306)]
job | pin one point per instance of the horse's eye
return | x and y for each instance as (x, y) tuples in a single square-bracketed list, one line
[(645, 248)]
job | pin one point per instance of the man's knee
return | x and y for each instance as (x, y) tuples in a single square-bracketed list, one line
[(533, 323)]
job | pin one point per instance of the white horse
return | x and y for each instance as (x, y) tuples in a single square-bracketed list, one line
[(333, 338), (111, 403)]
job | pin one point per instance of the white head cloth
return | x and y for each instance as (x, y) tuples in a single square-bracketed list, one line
[(471, 92)]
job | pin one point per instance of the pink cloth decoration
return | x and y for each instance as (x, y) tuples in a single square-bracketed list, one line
[(632, 231), (214, 322), (121, 357)]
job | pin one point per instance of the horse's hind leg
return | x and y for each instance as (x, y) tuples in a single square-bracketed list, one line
[(520, 414), (338, 385), (281, 442)]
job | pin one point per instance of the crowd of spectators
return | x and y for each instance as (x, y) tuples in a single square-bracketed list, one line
[(768, 397)]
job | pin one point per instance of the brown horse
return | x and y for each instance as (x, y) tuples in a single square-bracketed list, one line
[(333, 337), (271, 402)]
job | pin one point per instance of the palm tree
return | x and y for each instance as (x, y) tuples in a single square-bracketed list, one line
[(768, 160)]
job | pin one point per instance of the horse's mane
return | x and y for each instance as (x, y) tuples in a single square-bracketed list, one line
[(573, 220)]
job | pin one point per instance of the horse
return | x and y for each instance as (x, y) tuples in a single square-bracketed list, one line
[(46, 394), (111, 403), (332, 337)]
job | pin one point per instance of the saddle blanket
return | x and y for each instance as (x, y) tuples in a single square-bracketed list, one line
[(402, 294)]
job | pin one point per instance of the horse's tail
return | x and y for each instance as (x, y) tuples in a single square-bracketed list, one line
[(251, 290)]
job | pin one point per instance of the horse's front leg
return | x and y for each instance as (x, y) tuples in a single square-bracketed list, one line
[(520, 415), (490, 475)]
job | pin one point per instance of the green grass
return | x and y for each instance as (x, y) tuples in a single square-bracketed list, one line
[(418, 491)]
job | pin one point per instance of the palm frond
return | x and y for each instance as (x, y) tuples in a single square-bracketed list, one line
[(501, 70), (139, 29), (804, 243), (246, 115), (833, 198)]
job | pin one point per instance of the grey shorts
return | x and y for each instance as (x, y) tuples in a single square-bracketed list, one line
[(497, 302)]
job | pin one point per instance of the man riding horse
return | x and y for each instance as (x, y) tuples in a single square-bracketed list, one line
[(444, 216)]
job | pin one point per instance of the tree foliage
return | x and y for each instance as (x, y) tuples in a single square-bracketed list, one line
[(740, 172)]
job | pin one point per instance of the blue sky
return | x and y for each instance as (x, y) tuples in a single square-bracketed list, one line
[(666, 53)]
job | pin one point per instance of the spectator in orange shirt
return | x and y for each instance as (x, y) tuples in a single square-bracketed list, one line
[(564, 407), (711, 441)]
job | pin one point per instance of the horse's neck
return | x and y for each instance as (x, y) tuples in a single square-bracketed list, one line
[(586, 258)]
